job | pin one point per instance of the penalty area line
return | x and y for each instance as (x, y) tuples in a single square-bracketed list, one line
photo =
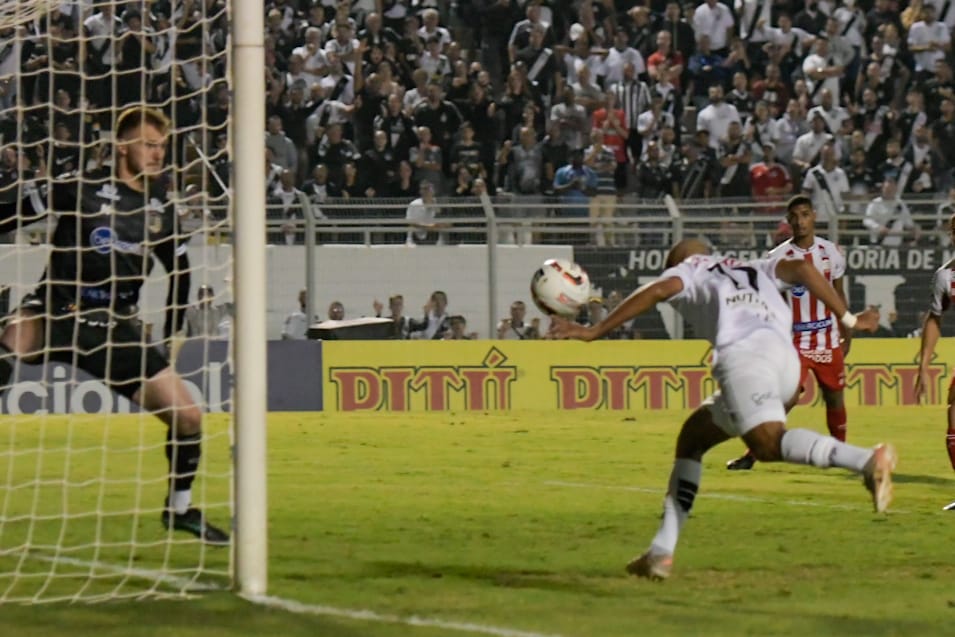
[(293, 606), (732, 497)]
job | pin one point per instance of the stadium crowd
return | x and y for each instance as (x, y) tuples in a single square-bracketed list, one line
[(596, 100), (579, 101)]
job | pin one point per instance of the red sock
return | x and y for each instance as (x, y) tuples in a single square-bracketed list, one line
[(836, 421), (950, 443)]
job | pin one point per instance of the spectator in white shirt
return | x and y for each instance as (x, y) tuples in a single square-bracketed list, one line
[(851, 19), (788, 129), (571, 120), (840, 50), (832, 114), (809, 146), (430, 18), (284, 152), (296, 322), (827, 184), (928, 40), (313, 57), (753, 16), (944, 11), (514, 328), (821, 71), (344, 45), (651, 122), (434, 62), (102, 29), (296, 74), (421, 215), (618, 57), (786, 39), (716, 117), (714, 19), (418, 94), (888, 218)]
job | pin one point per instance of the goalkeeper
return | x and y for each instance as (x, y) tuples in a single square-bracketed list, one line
[(111, 223)]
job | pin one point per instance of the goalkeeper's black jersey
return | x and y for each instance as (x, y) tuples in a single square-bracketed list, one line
[(105, 238)]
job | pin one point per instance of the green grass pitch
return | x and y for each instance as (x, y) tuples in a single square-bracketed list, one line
[(521, 521)]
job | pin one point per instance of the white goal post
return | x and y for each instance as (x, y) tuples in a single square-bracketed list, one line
[(82, 473), (248, 64)]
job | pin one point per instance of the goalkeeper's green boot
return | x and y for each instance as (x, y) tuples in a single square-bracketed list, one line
[(194, 521)]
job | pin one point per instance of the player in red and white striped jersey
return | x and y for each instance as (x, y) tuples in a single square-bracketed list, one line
[(816, 333), (943, 297)]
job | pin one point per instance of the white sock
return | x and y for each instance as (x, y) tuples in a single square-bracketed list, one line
[(684, 482), (802, 446), (179, 501)]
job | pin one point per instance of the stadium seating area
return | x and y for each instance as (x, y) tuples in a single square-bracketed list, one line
[(730, 100), (848, 100)]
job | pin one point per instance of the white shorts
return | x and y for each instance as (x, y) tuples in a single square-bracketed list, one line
[(757, 378)]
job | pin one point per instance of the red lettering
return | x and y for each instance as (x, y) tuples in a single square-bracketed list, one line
[(358, 389), (487, 389), (906, 383), (618, 384), (475, 386), (693, 381), (436, 383), (656, 382), (503, 378), (909, 375), (870, 380), (397, 380), (577, 388)]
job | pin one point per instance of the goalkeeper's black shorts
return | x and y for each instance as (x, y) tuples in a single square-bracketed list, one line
[(101, 343)]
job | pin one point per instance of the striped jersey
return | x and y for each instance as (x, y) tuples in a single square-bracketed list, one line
[(814, 326), (943, 289)]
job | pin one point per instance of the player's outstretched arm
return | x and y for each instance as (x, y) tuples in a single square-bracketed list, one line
[(931, 331), (801, 272), (641, 300)]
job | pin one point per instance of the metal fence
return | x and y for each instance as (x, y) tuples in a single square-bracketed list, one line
[(726, 224), (639, 226), (621, 250)]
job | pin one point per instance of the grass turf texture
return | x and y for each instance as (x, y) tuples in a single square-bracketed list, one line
[(526, 521)]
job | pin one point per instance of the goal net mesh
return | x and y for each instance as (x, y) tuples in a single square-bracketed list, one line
[(83, 471)]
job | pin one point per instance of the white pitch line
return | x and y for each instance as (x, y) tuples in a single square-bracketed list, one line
[(715, 496), (293, 606), (185, 584)]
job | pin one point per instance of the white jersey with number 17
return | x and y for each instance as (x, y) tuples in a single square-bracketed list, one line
[(726, 300), (814, 326)]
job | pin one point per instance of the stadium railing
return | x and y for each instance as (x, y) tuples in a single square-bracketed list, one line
[(490, 222)]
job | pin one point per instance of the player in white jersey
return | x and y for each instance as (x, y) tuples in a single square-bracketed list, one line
[(815, 333), (737, 307), (943, 296)]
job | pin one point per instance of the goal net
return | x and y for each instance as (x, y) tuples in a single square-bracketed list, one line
[(84, 475)]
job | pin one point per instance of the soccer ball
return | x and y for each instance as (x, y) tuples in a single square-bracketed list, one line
[(560, 287)]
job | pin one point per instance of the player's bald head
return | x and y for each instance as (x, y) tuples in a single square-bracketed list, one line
[(684, 249)]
